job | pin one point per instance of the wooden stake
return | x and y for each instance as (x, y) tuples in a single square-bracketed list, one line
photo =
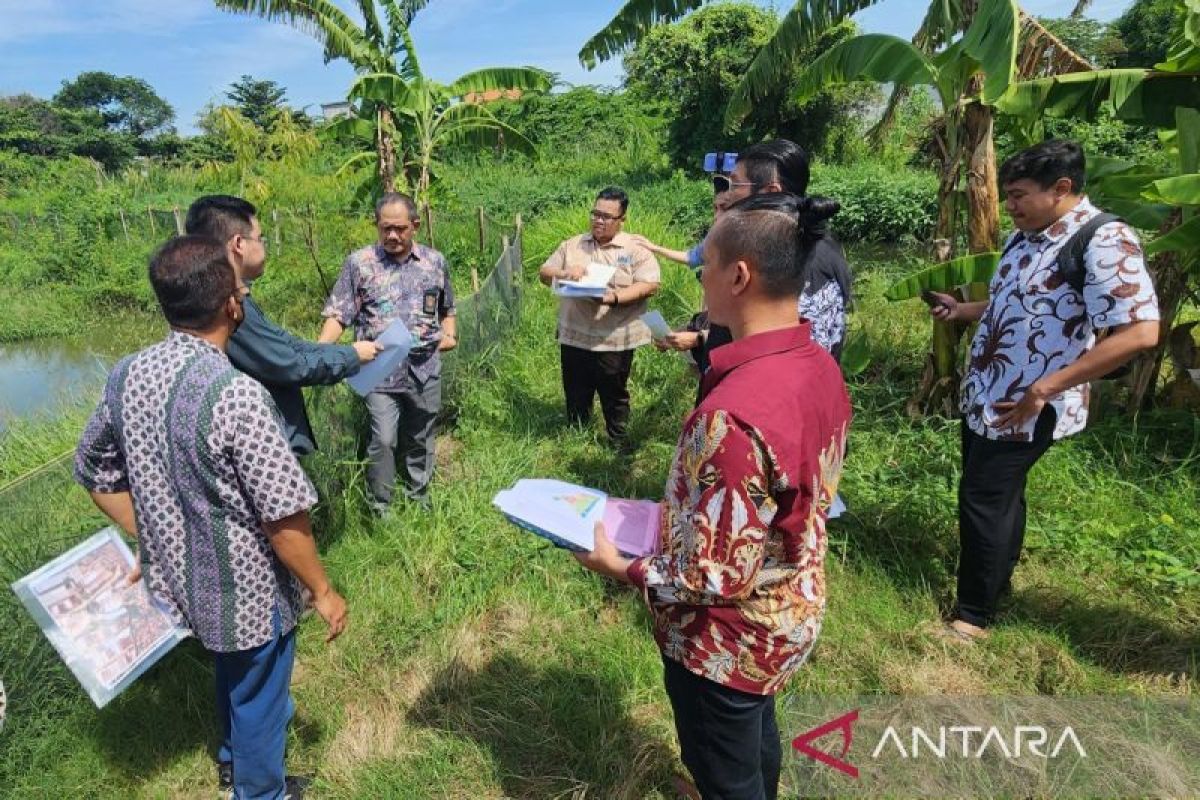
[(178, 220), (124, 224)]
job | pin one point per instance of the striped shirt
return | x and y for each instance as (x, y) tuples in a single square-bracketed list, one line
[(201, 448)]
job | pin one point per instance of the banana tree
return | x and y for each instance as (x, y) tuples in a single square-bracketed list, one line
[(430, 115), (382, 46)]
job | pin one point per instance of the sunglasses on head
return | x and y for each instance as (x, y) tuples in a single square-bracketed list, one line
[(720, 162)]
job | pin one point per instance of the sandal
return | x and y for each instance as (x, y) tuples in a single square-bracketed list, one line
[(960, 630)]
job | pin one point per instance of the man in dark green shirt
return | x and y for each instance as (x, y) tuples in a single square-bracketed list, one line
[(260, 348)]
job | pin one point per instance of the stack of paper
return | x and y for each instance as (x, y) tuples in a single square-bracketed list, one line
[(566, 514), (396, 342), (594, 282)]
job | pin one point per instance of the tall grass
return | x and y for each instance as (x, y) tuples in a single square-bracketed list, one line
[(481, 662)]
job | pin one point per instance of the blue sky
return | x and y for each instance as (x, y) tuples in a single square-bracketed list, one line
[(190, 52)]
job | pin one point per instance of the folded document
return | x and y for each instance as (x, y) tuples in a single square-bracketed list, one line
[(566, 514)]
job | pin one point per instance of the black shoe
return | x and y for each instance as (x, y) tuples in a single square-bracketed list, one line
[(296, 786), (225, 776)]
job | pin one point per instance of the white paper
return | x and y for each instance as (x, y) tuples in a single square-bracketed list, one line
[(563, 510), (596, 276), (397, 342), (837, 507), (657, 325)]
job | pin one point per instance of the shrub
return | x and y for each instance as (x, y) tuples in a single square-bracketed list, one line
[(879, 203)]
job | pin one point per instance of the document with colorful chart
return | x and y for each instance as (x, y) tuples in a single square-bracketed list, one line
[(566, 514)]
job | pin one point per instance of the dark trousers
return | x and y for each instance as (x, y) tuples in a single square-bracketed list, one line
[(729, 740), (991, 514), (586, 373)]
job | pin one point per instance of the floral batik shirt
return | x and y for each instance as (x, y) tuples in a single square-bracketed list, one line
[(374, 289), (1036, 323), (200, 448), (737, 590)]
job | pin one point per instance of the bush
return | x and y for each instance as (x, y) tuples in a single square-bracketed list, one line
[(879, 203)]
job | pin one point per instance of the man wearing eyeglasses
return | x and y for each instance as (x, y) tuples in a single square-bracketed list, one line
[(260, 348), (598, 336)]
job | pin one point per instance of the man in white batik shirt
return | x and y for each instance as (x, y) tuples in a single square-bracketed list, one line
[(1035, 352)]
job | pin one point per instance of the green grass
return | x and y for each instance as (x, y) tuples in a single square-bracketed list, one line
[(481, 662)]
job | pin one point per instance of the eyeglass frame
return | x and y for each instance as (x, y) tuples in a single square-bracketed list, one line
[(605, 217), (728, 183)]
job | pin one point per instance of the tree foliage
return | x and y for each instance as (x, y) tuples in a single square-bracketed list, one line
[(261, 101), (1145, 30), (126, 104), (689, 71)]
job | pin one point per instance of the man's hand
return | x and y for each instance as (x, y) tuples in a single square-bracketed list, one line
[(449, 342), (604, 557), (332, 609), (135, 574), (680, 340), (574, 273), (1014, 415), (366, 351), (942, 307), (609, 299)]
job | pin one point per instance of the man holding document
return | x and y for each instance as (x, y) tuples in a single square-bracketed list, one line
[(603, 280), (737, 591), (398, 282)]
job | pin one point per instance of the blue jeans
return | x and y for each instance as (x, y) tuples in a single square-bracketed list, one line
[(254, 706)]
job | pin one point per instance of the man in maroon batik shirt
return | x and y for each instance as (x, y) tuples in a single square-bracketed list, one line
[(737, 590)]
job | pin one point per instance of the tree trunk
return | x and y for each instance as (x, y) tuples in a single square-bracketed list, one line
[(937, 391), (983, 195), (386, 145), (1171, 285)]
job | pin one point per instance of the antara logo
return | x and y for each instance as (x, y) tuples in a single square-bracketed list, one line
[(961, 741)]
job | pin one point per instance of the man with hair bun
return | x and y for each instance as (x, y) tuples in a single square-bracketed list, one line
[(737, 589)]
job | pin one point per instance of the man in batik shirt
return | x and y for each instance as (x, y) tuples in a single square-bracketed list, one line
[(738, 590), (398, 279), (189, 456), (1032, 358)]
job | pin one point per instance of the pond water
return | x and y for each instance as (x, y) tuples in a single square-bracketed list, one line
[(41, 377)]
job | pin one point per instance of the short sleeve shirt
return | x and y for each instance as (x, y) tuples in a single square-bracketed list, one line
[(374, 289), (201, 449), (1036, 323), (589, 325)]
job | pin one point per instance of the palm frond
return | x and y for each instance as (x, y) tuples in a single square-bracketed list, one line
[(875, 57), (629, 25), (807, 21), (491, 79), (320, 19), (1043, 54)]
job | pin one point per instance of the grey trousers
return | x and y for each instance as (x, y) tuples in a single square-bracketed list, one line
[(403, 428)]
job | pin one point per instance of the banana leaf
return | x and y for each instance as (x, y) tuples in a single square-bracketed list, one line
[(945, 277)]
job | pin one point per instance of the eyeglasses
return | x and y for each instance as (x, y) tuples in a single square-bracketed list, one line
[(602, 217), (723, 183)]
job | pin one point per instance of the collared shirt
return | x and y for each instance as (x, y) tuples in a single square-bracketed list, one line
[(201, 449), (374, 289), (737, 590), (1036, 323), (589, 325), (283, 363)]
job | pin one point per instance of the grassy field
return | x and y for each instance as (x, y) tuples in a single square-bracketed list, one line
[(480, 662)]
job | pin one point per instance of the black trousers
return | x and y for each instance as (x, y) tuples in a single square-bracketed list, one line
[(991, 514), (729, 740), (586, 373)]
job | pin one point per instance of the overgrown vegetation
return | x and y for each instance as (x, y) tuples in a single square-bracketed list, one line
[(480, 662)]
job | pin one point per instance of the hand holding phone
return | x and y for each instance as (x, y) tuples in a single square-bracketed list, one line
[(941, 306)]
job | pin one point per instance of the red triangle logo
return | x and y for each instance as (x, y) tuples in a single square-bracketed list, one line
[(845, 724)]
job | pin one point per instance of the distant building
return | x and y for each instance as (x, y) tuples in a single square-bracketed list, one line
[(332, 111)]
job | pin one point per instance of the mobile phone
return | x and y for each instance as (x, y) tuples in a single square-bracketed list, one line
[(931, 299)]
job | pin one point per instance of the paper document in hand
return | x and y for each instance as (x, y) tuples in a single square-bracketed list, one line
[(597, 276), (596, 292), (657, 325), (562, 512), (633, 525), (106, 630), (396, 342)]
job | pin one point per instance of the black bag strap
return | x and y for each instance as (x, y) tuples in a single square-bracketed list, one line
[(1071, 264)]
